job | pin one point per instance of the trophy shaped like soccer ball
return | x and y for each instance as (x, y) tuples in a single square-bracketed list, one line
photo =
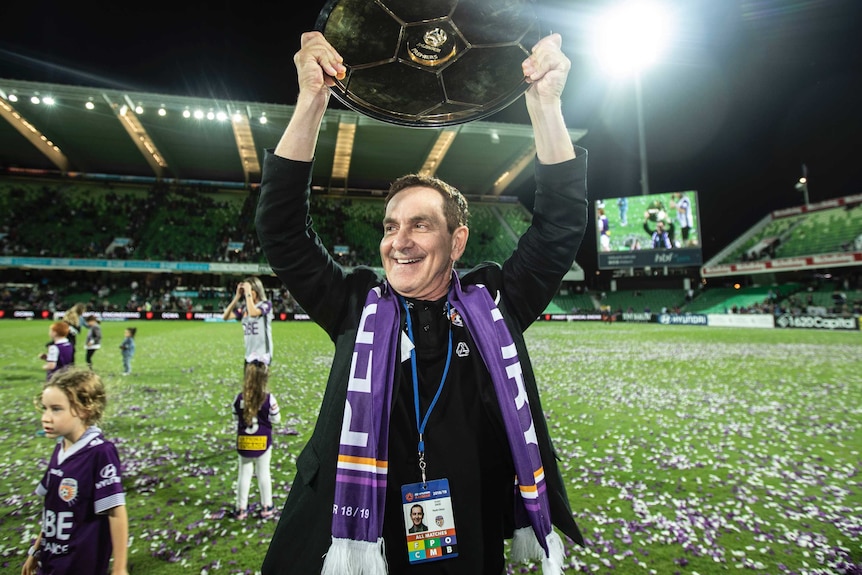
[(430, 63)]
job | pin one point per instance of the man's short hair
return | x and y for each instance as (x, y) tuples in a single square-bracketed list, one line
[(454, 203)]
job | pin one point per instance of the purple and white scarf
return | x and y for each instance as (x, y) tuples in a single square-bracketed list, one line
[(360, 482)]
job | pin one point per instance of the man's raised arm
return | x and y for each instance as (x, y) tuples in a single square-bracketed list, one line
[(317, 64), (546, 69)]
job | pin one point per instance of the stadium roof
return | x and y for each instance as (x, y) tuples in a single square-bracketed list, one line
[(122, 133)]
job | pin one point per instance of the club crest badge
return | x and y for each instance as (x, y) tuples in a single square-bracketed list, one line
[(68, 489), (455, 318), (431, 46)]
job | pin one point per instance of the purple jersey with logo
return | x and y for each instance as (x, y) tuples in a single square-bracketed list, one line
[(62, 353), (253, 440), (81, 485)]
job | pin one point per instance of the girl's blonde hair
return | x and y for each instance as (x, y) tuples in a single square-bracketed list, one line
[(85, 391), (254, 389), (74, 313), (257, 287)]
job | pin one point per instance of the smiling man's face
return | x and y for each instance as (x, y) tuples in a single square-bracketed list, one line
[(417, 250), (416, 515)]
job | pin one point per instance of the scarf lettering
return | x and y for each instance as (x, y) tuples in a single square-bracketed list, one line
[(515, 374), (354, 438), (360, 380)]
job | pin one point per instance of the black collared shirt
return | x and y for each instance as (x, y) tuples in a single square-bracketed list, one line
[(465, 442)]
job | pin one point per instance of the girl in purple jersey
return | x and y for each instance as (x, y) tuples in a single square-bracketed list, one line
[(256, 411), (84, 520), (61, 352)]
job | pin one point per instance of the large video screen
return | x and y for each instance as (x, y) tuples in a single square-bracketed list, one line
[(655, 230)]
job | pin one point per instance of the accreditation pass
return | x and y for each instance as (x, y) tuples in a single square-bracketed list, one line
[(429, 522)]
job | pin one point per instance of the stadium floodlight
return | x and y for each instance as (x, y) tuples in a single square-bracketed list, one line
[(802, 183), (629, 38), (802, 186)]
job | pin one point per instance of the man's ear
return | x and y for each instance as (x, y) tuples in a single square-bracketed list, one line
[(459, 242)]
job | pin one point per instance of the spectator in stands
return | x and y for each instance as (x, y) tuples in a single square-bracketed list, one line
[(660, 238), (251, 307), (412, 317)]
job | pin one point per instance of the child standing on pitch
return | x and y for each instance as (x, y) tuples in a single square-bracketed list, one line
[(84, 520), (250, 307), (61, 352), (94, 338), (128, 349), (256, 410)]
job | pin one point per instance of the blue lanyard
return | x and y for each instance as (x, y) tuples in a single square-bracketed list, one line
[(422, 422)]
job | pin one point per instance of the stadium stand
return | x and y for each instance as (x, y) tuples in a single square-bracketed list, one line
[(571, 300), (832, 230), (732, 300), (652, 300), (114, 219), (82, 219), (829, 227)]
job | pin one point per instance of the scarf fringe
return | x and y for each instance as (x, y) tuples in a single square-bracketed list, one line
[(526, 547), (351, 557)]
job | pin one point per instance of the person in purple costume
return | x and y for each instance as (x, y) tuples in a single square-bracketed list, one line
[(84, 521)]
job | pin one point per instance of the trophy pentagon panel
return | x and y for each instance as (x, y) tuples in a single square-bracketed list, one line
[(416, 91), (484, 75), (411, 11), (362, 32), (494, 21)]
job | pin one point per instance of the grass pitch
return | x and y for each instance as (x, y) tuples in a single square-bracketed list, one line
[(685, 449)]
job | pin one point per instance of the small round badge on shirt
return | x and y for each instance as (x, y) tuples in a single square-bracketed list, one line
[(68, 489)]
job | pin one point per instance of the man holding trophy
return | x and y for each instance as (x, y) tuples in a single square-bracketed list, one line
[(431, 397)]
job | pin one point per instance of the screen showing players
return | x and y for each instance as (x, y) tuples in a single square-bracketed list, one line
[(655, 230)]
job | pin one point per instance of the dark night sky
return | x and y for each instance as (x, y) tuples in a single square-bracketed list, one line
[(748, 91)]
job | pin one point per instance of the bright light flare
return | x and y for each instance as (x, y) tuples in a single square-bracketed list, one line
[(632, 36)]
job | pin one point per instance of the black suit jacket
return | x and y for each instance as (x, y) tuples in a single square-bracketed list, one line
[(334, 298)]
